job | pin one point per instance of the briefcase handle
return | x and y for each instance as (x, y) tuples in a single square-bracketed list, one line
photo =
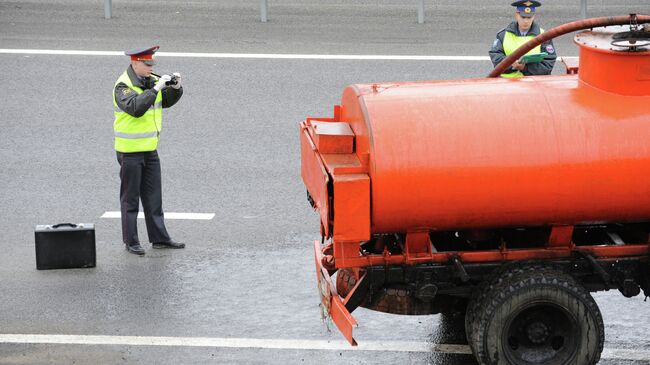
[(64, 224)]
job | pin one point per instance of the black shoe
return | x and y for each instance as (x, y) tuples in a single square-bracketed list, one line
[(135, 248), (168, 244)]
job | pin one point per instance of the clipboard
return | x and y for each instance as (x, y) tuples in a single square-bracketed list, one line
[(533, 58)]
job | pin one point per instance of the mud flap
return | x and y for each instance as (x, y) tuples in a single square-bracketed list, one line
[(331, 304)]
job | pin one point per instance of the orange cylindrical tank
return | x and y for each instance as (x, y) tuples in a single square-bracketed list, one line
[(487, 153)]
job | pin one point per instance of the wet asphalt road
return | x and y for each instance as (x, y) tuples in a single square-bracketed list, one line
[(230, 147)]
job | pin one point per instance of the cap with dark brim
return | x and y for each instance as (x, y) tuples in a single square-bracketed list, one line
[(145, 55), (526, 12), (535, 4), (526, 8)]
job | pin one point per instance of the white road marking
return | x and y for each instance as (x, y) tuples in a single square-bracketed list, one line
[(280, 344), (194, 216), (252, 55), (288, 344)]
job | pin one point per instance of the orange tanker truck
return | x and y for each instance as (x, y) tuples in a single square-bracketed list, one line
[(437, 196)]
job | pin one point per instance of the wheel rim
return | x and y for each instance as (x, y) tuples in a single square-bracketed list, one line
[(541, 333)]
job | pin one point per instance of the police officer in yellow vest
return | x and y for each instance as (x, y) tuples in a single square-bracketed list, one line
[(523, 29), (138, 100)]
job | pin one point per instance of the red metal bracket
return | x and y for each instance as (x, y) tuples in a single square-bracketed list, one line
[(572, 64), (418, 245), (336, 118), (561, 236)]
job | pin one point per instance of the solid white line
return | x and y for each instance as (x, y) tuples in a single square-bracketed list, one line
[(195, 216), (253, 55), (393, 346), (281, 344), (61, 52)]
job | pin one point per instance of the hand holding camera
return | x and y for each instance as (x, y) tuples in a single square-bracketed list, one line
[(166, 80), (162, 82)]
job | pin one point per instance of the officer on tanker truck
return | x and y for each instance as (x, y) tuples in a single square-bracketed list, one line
[(540, 60), (138, 99)]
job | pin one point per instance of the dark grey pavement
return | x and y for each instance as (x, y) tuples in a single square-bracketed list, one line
[(295, 26), (230, 147)]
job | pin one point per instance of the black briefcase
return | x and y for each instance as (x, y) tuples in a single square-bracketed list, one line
[(65, 246)]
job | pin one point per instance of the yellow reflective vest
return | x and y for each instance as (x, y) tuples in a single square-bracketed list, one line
[(511, 42), (137, 134)]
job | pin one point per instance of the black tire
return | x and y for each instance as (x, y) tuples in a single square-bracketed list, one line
[(480, 292), (472, 308), (535, 315)]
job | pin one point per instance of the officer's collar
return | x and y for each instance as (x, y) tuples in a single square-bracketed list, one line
[(135, 79), (514, 28)]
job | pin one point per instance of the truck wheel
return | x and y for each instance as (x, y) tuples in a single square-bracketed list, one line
[(472, 307), (483, 288), (540, 316)]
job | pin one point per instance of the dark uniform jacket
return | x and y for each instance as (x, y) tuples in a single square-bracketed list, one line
[(543, 68), (136, 104)]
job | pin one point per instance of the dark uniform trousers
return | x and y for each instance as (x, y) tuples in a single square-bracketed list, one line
[(140, 175)]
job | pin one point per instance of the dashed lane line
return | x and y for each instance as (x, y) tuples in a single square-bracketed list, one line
[(252, 55), (280, 344), (191, 216)]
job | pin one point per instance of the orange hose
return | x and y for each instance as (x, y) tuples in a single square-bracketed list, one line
[(564, 29)]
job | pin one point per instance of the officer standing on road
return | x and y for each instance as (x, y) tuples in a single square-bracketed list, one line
[(138, 100), (523, 29)]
